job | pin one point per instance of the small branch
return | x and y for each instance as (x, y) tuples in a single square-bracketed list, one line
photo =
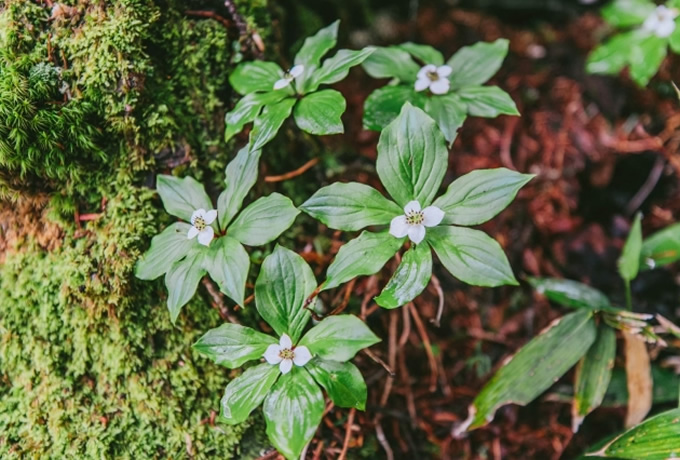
[(290, 175), (218, 302), (440, 294), (348, 434), (375, 358), (211, 15), (647, 187), (420, 327)]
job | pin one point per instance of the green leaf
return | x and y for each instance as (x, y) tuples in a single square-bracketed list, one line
[(227, 262), (246, 392), (571, 293), (535, 367), (425, 53), (612, 56), (336, 68), (263, 220), (593, 375), (319, 113), (342, 381), (410, 278), (629, 262), (412, 157), (626, 13), (231, 345), (480, 195), (247, 109), (240, 176), (391, 62), (657, 438), (268, 123), (364, 255), (661, 248), (474, 65), (284, 283), (339, 338), (182, 280), (488, 101), (674, 39), (316, 46), (252, 76), (293, 411), (350, 206), (471, 256), (449, 111), (384, 104), (181, 197), (646, 58), (167, 247)]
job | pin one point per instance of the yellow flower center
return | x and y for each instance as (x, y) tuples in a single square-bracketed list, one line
[(286, 353), (199, 223), (433, 76), (415, 217)]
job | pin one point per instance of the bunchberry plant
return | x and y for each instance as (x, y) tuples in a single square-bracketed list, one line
[(211, 240), (295, 364), (412, 161), (447, 92), (272, 94), (649, 30)]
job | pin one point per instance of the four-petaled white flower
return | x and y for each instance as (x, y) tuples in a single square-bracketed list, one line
[(661, 22), (200, 225), (284, 354), (434, 78), (289, 76), (414, 221)]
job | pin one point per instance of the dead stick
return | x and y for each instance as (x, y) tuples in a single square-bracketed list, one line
[(348, 434), (292, 174), (434, 370)]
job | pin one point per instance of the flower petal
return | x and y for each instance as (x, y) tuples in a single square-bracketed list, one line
[(272, 354), (412, 206), (196, 214), (399, 227), (433, 216), (302, 356), (281, 83), (665, 28), (422, 84), (286, 365), (285, 342), (440, 86), (193, 231), (424, 70), (296, 71), (206, 236), (210, 216), (416, 233), (444, 71)]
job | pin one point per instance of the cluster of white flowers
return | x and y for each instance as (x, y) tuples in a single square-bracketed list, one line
[(661, 22), (414, 221), (285, 355), (289, 76), (434, 78)]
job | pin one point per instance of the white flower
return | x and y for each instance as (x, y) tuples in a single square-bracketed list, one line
[(661, 22), (200, 225), (289, 76), (414, 221), (284, 354), (434, 78)]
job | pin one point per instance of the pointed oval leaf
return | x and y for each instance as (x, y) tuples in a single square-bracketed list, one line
[(424, 53), (613, 55), (231, 345), (474, 65), (449, 111), (246, 392), (336, 68), (487, 101), (661, 248), (350, 206), (293, 411), (412, 157), (626, 13), (319, 113), (317, 45), (629, 262), (170, 245), (410, 279), (646, 58), (391, 62), (263, 220), (571, 293), (384, 104), (227, 262), (268, 123), (181, 197), (182, 280), (240, 176), (339, 338), (252, 76), (480, 195), (247, 109), (342, 381)]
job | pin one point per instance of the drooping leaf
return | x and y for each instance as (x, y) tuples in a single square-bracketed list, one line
[(487, 101), (247, 108), (661, 248), (410, 278), (231, 345), (638, 379), (424, 53), (240, 176), (471, 256), (646, 58), (535, 367), (364, 255), (391, 62), (350, 206), (593, 374), (474, 65), (246, 392), (263, 220), (227, 262), (342, 381), (626, 13), (336, 68), (284, 283), (268, 123), (319, 113), (252, 76), (629, 262), (181, 197), (339, 338), (480, 195), (170, 245), (317, 45), (384, 104), (449, 111), (412, 157), (571, 293), (293, 411), (182, 280)]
